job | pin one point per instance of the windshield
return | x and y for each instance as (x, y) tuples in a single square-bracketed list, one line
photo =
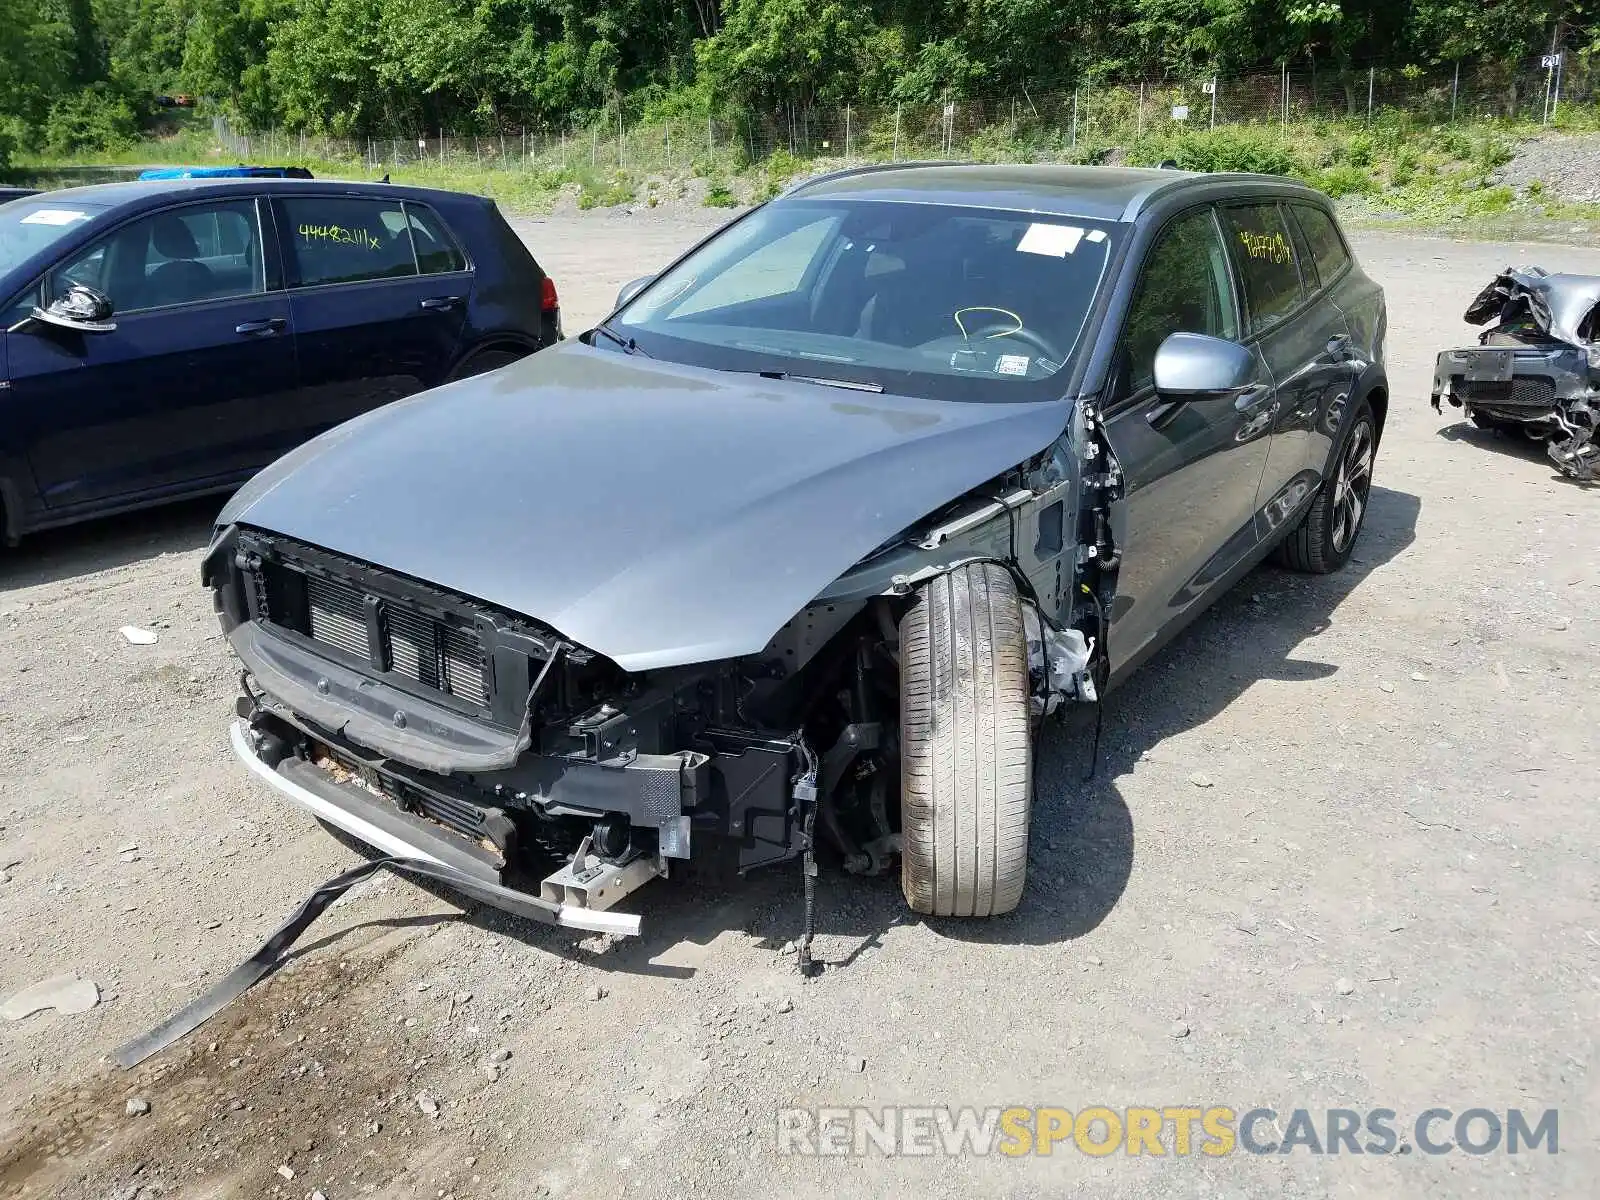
[(30, 225), (944, 301)]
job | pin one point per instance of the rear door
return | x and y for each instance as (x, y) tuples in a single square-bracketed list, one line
[(1192, 470), (1304, 339), (1360, 303), (379, 293), (182, 393)]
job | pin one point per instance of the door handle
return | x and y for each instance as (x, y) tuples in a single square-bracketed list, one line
[(267, 328), (1251, 398), (439, 303)]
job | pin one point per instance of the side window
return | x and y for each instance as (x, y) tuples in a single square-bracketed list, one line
[(1322, 235), (338, 239), (21, 306), (437, 251), (1264, 250), (182, 256), (1183, 287), (776, 269)]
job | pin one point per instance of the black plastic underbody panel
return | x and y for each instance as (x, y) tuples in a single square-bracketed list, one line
[(736, 785)]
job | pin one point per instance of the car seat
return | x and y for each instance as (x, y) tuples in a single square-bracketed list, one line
[(180, 279)]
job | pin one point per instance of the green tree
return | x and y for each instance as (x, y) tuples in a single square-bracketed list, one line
[(790, 52)]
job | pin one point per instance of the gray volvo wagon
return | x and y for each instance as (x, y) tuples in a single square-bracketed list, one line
[(798, 547)]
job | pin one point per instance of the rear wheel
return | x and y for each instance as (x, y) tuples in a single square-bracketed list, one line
[(1326, 535), (483, 361), (966, 754)]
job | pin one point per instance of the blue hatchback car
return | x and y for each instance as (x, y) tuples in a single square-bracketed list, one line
[(229, 321)]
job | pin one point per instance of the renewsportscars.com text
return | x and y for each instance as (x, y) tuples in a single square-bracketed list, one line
[(1168, 1130)]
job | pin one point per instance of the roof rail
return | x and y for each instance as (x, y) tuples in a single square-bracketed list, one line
[(869, 168)]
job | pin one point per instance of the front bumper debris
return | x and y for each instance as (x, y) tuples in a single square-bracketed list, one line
[(269, 955), (402, 835)]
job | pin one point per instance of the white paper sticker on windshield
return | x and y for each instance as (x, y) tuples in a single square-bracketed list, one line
[(1095, 235), (1012, 364), (1057, 241), (54, 216)]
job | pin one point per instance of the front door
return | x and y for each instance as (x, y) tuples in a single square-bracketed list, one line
[(379, 294), (1190, 471), (176, 396), (1304, 339)]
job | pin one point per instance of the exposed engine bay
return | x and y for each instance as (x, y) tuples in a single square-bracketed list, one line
[(1536, 368), (433, 725)]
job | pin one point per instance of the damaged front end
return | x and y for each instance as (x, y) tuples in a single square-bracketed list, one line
[(435, 727), (1536, 370)]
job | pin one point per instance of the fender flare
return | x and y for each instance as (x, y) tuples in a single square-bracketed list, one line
[(492, 341)]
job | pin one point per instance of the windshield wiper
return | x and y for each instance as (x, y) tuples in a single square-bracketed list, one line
[(853, 385), (627, 343)]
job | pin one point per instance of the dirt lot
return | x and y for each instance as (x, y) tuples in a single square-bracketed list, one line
[(1387, 896)]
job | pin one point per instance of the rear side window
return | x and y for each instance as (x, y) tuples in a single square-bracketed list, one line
[(437, 251), (343, 240), (1264, 250), (1322, 235)]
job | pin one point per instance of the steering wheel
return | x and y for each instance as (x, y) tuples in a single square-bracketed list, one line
[(999, 330)]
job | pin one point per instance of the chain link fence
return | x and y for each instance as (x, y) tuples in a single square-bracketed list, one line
[(1073, 125)]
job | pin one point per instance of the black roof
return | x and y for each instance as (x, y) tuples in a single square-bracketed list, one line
[(1107, 193), (139, 193)]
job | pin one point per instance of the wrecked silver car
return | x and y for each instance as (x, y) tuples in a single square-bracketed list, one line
[(796, 549), (1536, 368)]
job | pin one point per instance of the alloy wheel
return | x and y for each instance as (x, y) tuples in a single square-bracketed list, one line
[(1352, 485)]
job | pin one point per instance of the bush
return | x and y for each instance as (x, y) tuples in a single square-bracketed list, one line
[(1245, 149), (718, 196), (607, 192), (1404, 167), (96, 118), (1491, 152), (992, 144), (1455, 143), (1358, 151), (1345, 179), (781, 166)]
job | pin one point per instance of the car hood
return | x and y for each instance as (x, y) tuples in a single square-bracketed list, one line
[(659, 514)]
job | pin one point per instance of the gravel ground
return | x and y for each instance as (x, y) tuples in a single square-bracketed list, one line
[(1340, 851), (1566, 165)]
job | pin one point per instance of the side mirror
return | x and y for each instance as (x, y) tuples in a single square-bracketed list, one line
[(1194, 366), (632, 288), (82, 310)]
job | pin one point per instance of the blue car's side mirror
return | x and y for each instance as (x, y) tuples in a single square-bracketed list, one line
[(82, 310)]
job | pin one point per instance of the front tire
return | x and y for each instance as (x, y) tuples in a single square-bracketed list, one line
[(966, 755), (1326, 535)]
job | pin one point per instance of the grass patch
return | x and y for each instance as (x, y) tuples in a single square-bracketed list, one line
[(1394, 172)]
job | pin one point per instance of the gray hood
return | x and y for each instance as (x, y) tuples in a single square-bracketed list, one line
[(656, 513)]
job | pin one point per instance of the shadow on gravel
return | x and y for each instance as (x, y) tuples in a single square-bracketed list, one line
[(55, 555), (1534, 450), (1083, 837)]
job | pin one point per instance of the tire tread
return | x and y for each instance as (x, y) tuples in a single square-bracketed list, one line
[(966, 746)]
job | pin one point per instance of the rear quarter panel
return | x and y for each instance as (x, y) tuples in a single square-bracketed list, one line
[(508, 281), (1362, 302)]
